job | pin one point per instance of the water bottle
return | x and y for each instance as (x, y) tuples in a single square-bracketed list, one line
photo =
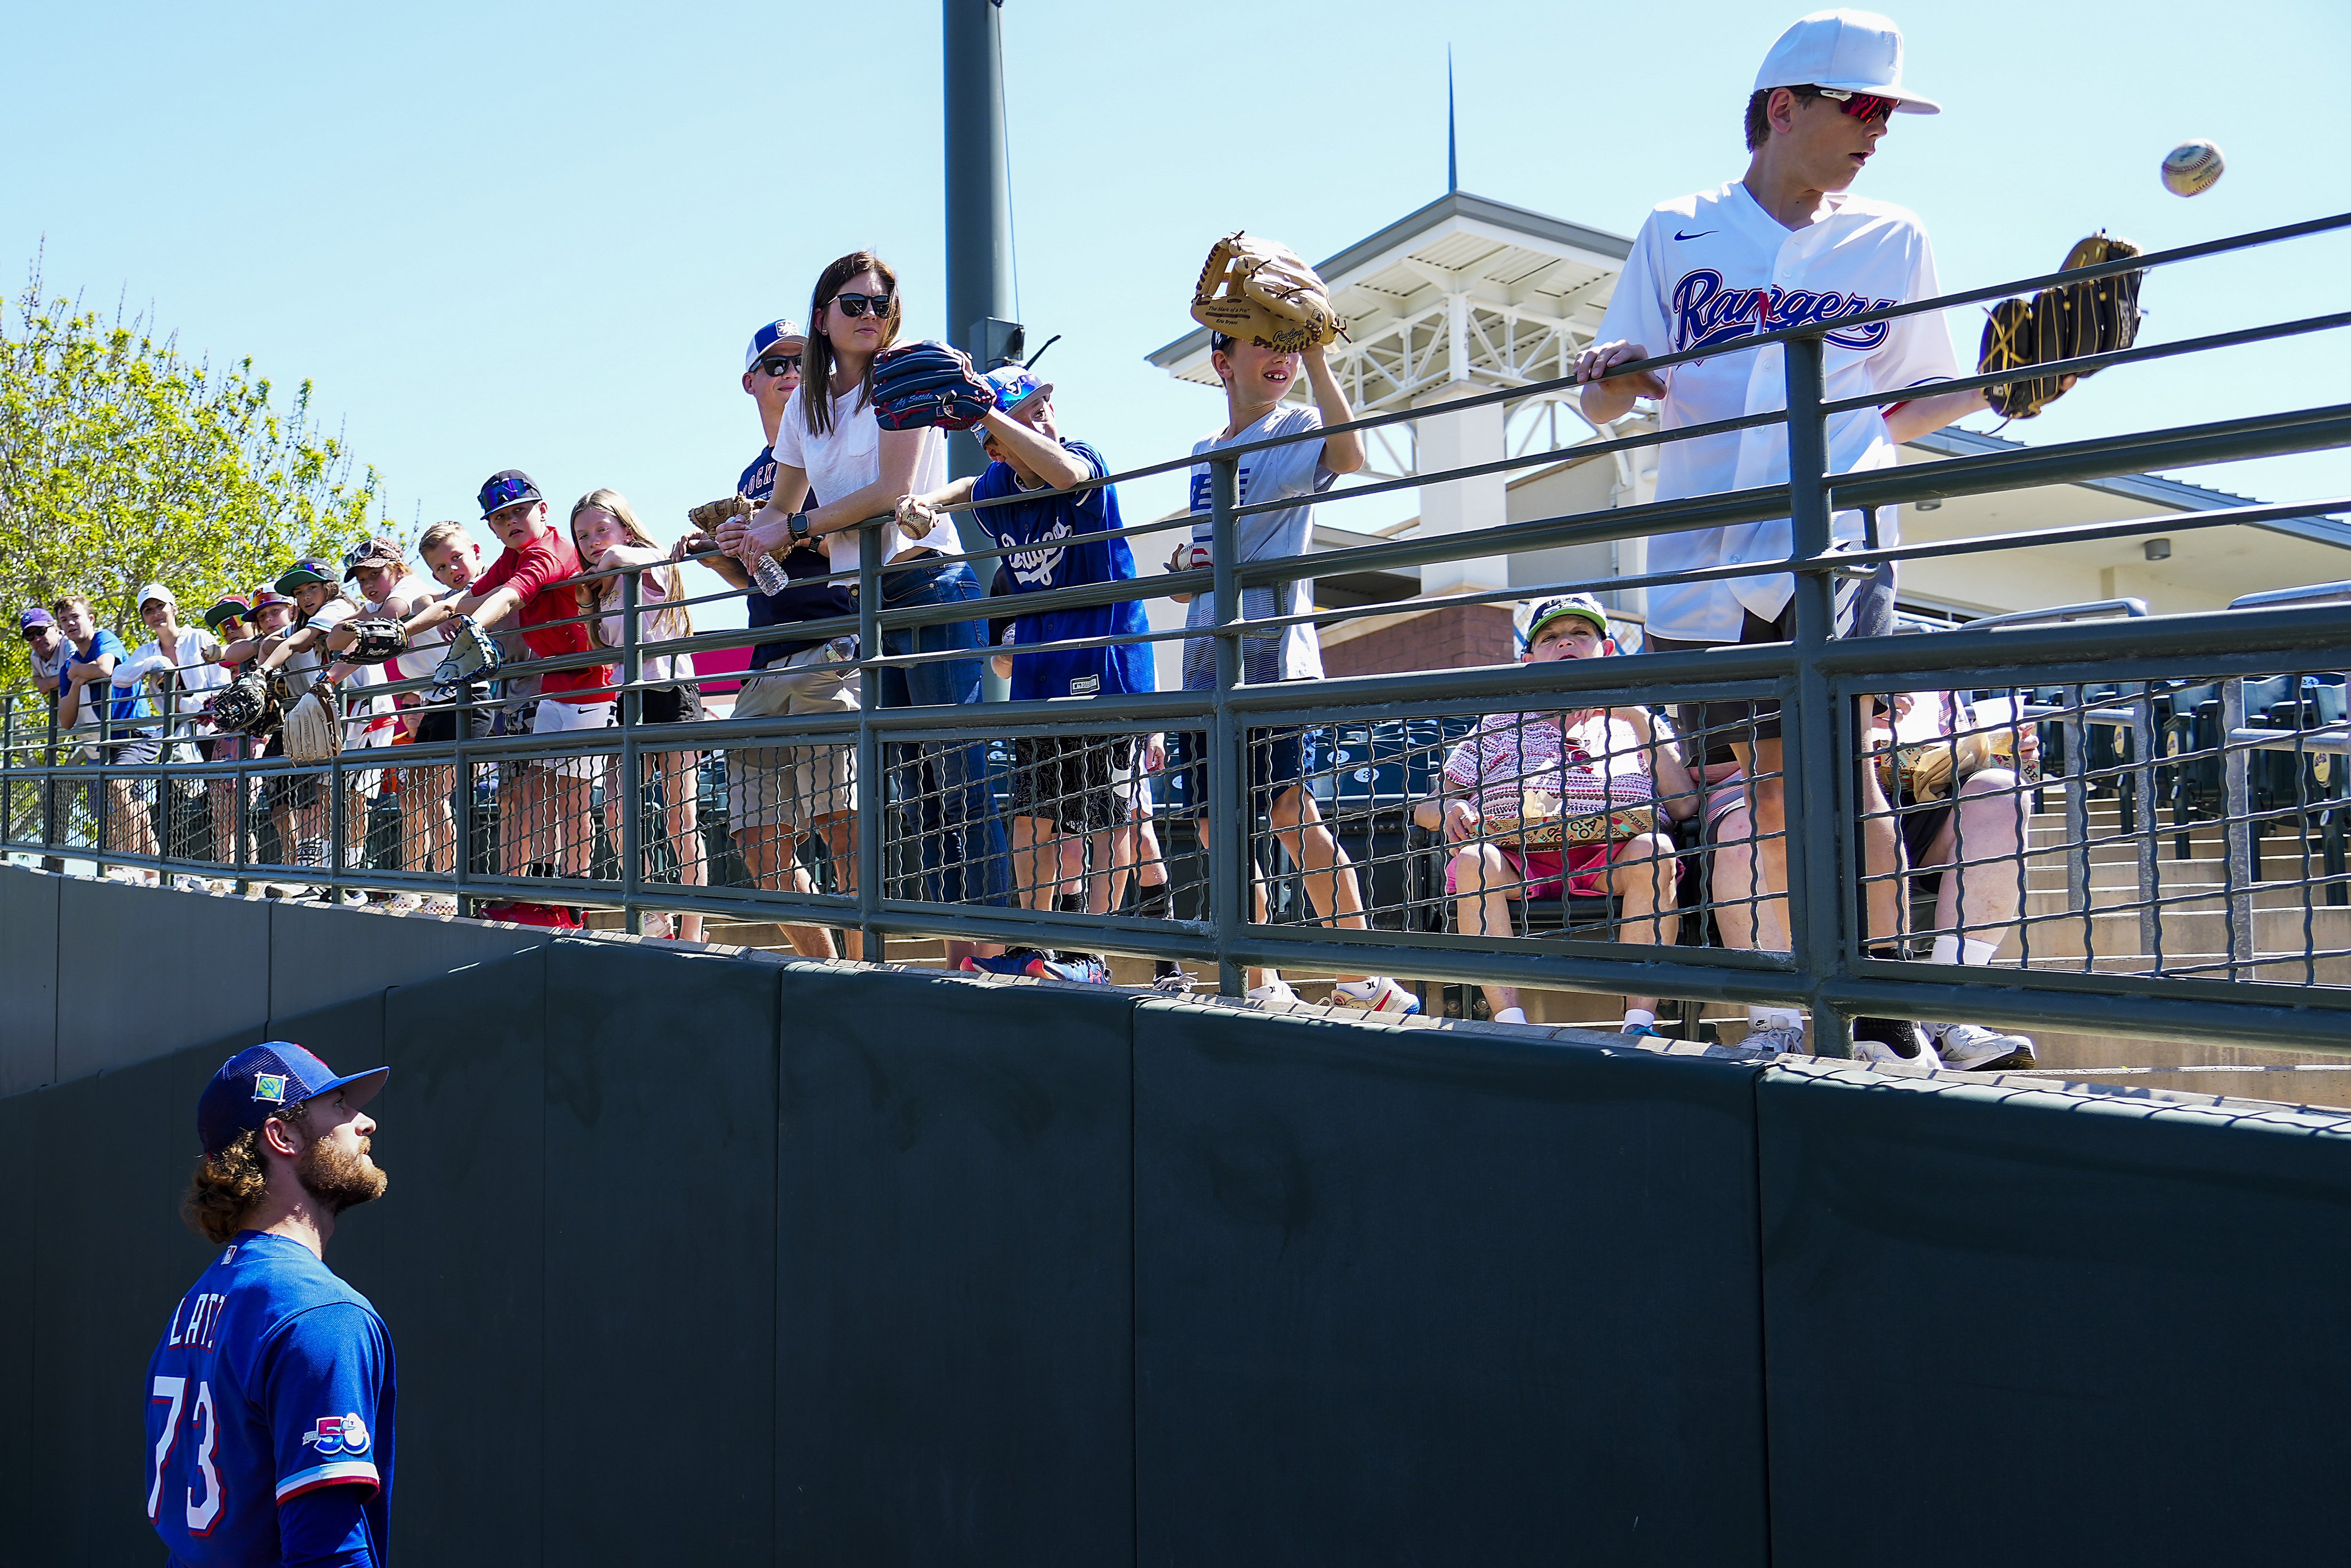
[(769, 574)]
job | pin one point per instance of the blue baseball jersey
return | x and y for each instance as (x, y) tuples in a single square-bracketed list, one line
[(1034, 530), (275, 1379), (803, 601)]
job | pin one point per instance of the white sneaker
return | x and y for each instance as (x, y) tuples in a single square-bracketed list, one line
[(1275, 991), (438, 904), (403, 903), (1787, 1039), (656, 926), (187, 883), (1920, 1054), (1379, 996), (1973, 1048)]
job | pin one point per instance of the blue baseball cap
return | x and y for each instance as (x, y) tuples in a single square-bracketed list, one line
[(255, 1085), (1015, 385), (769, 335)]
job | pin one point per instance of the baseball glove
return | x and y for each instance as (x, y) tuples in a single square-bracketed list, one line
[(473, 656), (246, 705), (2063, 321), (1268, 295), (928, 383), (707, 516), (314, 728), (376, 639)]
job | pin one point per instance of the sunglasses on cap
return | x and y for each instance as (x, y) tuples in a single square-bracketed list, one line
[(504, 492), (855, 305), (1860, 105), (778, 365)]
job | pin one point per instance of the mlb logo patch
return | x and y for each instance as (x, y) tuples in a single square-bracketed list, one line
[(269, 1086)]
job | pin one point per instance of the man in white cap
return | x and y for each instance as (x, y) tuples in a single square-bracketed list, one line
[(1784, 245)]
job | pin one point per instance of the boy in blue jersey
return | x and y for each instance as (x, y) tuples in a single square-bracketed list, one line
[(1061, 785), (269, 1403)]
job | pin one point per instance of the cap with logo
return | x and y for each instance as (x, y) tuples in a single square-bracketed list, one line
[(506, 487), (770, 334), (228, 610), (33, 618), (1843, 52), (305, 572), (153, 592), (1015, 385), (256, 1083), (265, 596), (1551, 610), (373, 550)]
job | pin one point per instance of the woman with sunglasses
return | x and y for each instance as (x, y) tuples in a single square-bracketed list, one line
[(830, 442)]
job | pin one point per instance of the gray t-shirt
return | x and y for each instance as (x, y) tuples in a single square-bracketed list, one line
[(1293, 470)]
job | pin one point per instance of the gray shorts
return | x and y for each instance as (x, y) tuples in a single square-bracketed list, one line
[(793, 786)]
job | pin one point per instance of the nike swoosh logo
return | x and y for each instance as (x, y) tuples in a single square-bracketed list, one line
[(1701, 234)]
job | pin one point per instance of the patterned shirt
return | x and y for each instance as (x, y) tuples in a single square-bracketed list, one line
[(1511, 755)]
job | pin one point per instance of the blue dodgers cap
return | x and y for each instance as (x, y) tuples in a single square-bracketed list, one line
[(770, 334), (255, 1085), (1016, 384)]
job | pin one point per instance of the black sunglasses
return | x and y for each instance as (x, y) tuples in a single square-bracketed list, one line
[(778, 365), (854, 305)]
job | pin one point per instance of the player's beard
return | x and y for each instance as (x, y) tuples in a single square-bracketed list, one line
[(337, 1180)]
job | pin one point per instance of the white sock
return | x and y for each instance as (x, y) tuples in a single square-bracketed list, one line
[(1638, 1014), (1951, 949), (1512, 1015)]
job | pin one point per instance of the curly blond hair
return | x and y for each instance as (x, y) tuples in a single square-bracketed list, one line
[(226, 1186)]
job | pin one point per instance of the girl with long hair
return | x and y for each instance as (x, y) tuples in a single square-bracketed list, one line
[(605, 528)]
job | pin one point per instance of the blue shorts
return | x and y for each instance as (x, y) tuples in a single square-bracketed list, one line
[(1278, 760)]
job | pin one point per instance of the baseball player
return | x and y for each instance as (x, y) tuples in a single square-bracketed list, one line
[(1784, 245), (269, 1397)]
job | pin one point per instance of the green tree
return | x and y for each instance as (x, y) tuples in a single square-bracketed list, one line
[(122, 461)]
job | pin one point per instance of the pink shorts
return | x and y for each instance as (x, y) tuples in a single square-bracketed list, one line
[(1582, 870)]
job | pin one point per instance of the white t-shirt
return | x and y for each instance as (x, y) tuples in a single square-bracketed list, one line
[(1293, 470), (1716, 267), (847, 458), (196, 659)]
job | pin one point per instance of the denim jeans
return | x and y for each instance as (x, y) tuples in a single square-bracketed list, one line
[(943, 786)]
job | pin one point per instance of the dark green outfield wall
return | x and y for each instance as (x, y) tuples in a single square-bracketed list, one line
[(693, 1259)]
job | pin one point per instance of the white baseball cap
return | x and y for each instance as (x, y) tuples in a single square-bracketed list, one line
[(154, 591), (1844, 51)]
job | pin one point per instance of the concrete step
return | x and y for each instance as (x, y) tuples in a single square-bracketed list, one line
[(2275, 930), (2176, 898)]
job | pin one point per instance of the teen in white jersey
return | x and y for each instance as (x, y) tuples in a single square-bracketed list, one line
[(1784, 245)]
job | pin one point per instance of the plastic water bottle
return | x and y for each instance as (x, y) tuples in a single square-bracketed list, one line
[(769, 573)]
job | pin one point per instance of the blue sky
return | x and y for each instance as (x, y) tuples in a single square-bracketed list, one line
[(537, 235)]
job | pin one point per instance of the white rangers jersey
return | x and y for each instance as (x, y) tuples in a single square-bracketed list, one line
[(1716, 268)]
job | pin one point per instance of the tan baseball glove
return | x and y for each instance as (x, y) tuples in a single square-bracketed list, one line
[(710, 514), (1260, 289), (314, 729), (2060, 322)]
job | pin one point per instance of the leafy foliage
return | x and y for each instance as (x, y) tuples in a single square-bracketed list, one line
[(123, 462)]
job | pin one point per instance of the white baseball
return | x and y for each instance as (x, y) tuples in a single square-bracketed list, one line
[(2190, 168)]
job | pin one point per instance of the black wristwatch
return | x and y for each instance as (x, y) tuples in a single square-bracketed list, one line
[(798, 525)]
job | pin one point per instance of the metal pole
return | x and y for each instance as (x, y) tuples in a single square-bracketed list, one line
[(1817, 785), (2077, 813), (631, 712), (871, 786), (2236, 767), (1229, 804), (980, 201), (2143, 842)]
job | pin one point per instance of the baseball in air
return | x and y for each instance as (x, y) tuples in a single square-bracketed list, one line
[(2190, 168)]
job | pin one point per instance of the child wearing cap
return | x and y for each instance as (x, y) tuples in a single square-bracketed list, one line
[(1062, 786), (297, 801), (1518, 772)]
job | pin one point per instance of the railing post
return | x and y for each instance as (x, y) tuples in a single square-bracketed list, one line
[(2143, 840), (871, 806), (632, 711), (1815, 783), (8, 766), (2236, 763), (462, 823), (1229, 802), (2077, 815), (334, 828)]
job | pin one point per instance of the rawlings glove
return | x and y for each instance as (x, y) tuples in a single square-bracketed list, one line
[(473, 656), (2060, 322), (928, 383), (246, 705), (375, 639), (1269, 295), (707, 516), (314, 729)]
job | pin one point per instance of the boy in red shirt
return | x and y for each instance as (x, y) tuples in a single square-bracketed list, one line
[(533, 581)]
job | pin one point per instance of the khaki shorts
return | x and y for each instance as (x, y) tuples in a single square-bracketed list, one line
[(792, 785)]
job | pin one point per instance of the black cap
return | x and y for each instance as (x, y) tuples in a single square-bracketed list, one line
[(507, 488)]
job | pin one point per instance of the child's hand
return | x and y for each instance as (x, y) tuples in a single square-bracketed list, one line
[(916, 515), (1461, 821)]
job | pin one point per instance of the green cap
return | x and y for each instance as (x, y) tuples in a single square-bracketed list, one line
[(304, 572), (1578, 604)]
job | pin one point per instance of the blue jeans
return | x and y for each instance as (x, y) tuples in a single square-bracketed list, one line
[(944, 786)]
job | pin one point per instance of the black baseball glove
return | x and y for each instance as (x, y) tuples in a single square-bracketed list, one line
[(2063, 321), (376, 639), (928, 383), (246, 705)]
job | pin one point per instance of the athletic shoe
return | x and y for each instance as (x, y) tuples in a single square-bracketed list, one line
[(1973, 1048), (403, 904), (1011, 961), (438, 904), (187, 883), (1172, 982), (1787, 1039), (657, 926), (1645, 1031), (1275, 991), (1379, 996), (1080, 969), (1909, 1048)]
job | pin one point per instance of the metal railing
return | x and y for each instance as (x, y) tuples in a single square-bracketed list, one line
[(2219, 960)]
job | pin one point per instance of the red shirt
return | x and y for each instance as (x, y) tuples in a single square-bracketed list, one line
[(539, 573)]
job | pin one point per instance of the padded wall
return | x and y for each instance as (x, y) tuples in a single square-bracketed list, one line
[(29, 978), (2073, 1327), (1441, 1297), (955, 1353)]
